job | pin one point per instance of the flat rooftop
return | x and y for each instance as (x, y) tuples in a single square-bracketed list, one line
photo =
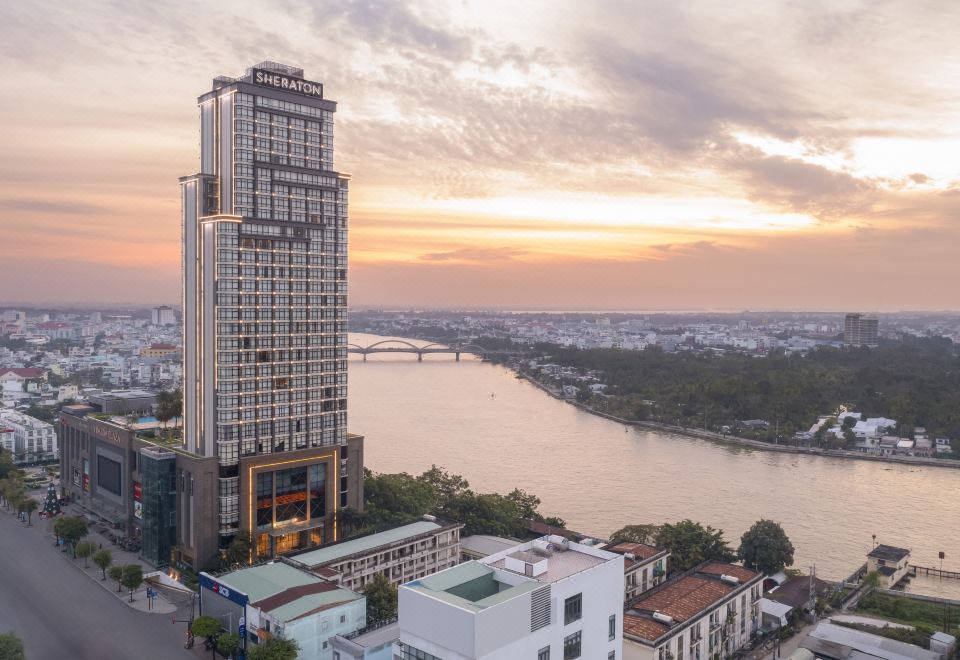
[(888, 553), (364, 544), (560, 565)]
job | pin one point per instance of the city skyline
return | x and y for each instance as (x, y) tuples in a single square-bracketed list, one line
[(622, 156)]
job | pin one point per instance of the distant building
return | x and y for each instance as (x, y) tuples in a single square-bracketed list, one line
[(711, 611), (479, 546), (547, 598), (373, 644), (32, 439), (890, 563), (279, 600), (401, 554), (162, 315), (158, 350), (123, 402), (859, 330)]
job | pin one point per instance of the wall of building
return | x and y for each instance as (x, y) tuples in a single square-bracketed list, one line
[(315, 631)]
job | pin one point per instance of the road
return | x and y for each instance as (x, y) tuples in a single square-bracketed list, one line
[(59, 612)]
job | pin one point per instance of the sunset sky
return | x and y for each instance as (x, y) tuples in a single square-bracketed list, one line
[(547, 154)]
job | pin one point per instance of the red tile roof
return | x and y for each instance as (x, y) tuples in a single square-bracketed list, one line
[(723, 568), (686, 597), (642, 551), (642, 627), (32, 372)]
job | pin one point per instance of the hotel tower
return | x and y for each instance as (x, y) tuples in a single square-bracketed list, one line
[(265, 321)]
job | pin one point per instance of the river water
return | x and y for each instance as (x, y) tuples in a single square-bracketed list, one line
[(478, 420)]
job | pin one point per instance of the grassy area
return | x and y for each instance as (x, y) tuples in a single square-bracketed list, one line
[(911, 612)]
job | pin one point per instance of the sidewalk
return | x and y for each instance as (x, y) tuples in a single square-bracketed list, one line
[(44, 527)]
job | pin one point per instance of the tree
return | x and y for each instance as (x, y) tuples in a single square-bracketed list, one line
[(28, 506), (637, 534), (70, 529), (765, 547), (444, 484), (83, 550), (381, 599), (169, 406), (228, 644), (691, 544), (51, 504), (527, 503), (103, 559), (132, 578), (6, 464), (11, 648), (396, 499), (275, 649), (116, 574), (208, 628), (238, 552)]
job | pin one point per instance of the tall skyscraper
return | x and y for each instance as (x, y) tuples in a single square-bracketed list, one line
[(265, 314), (859, 330)]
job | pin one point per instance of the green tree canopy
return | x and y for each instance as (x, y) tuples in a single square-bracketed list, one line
[(381, 599), (275, 649), (207, 627), (28, 506), (238, 552), (70, 528), (115, 573), (132, 578), (765, 547), (637, 534), (103, 559), (228, 644), (691, 543), (11, 648), (83, 550)]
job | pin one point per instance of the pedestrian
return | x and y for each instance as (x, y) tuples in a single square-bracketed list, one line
[(101, 546)]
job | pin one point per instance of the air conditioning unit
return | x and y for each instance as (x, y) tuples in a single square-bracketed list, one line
[(663, 618), (730, 578), (630, 556)]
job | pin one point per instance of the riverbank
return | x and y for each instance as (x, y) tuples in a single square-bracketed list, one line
[(746, 442)]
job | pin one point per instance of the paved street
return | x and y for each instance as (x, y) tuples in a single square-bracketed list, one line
[(59, 612)]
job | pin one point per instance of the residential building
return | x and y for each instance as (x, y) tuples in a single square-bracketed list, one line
[(796, 594), (708, 612), (860, 330), (279, 600), (943, 446), (20, 380), (890, 563), (162, 315), (7, 441), (547, 598), (401, 554), (644, 567), (33, 439), (264, 311)]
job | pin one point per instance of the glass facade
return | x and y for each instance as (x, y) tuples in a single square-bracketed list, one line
[(158, 470), (293, 495)]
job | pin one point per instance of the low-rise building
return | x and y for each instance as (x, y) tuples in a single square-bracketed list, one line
[(890, 563), (401, 554), (33, 439), (158, 350), (644, 567), (708, 612), (828, 641), (374, 643), (123, 402), (279, 600), (547, 598)]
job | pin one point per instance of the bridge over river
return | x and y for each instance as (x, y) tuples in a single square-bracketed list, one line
[(401, 346)]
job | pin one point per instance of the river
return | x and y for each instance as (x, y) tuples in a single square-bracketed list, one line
[(478, 420)]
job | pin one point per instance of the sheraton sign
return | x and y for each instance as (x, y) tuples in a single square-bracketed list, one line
[(286, 83)]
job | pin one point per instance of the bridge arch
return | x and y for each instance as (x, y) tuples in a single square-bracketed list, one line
[(393, 341)]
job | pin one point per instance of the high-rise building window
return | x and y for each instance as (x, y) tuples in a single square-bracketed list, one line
[(571, 646)]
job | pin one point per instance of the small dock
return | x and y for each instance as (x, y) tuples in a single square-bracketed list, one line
[(935, 572)]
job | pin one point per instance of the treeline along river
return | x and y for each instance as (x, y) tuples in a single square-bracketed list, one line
[(478, 420)]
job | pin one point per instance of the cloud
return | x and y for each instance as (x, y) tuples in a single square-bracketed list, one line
[(474, 255), (50, 207)]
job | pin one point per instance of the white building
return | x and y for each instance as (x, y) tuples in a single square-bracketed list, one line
[(548, 598), (33, 439), (373, 644), (162, 315), (279, 600), (707, 613)]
